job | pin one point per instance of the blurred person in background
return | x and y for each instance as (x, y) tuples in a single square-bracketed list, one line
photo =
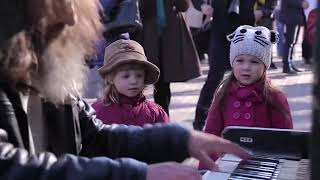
[(200, 34), (264, 17), (291, 15), (168, 44)]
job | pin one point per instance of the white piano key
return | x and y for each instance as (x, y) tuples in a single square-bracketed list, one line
[(226, 166), (212, 175), (230, 157)]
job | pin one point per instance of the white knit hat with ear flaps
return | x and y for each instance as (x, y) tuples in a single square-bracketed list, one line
[(256, 41)]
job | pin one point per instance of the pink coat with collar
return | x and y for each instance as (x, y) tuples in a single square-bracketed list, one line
[(130, 111), (246, 106)]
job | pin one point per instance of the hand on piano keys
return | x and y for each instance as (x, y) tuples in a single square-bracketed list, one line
[(258, 167)]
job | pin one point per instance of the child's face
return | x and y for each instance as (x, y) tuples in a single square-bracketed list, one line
[(129, 82), (248, 69)]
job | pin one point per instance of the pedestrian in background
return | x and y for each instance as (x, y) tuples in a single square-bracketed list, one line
[(228, 15), (126, 72), (291, 15), (280, 28), (264, 17), (247, 97), (168, 44), (196, 21)]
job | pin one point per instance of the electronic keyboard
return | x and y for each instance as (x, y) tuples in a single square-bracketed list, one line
[(277, 154)]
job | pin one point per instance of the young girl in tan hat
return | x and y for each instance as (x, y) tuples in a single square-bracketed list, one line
[(126, 72)]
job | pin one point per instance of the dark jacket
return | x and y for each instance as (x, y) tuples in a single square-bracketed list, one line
[(267, 8), (74, 129), (177, 57), (291, 12), (224, 22)]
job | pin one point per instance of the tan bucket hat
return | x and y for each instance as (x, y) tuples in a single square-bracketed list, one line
[(128, 51)]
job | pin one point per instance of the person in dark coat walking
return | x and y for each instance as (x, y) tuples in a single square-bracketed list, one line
[(226, 20), (168, 44), (264, 11), (42, 49), (292, 16)]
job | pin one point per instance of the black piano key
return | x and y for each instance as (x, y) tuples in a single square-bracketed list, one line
[(265, 159), (258, 168), (243, 178), (253, 174), (254, 162), (267, 174)]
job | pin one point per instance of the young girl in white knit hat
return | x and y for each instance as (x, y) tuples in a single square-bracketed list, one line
[(126, 72), (247, 97)]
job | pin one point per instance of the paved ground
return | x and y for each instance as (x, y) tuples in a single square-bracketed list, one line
[(297, 87)]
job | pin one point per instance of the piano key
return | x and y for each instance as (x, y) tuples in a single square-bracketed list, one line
[(258, 168), (259, 173), (242, 178), (290, 170), (265, 159), (227, 166), (212, 175), (230, 157), (253, 174), (254, 162)]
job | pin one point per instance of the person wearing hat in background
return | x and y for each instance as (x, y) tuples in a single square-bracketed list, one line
[(126, 72), (247, 97)]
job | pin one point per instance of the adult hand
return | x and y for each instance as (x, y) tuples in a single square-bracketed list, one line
[(305, 4), (172, 171), (201, 145), (206, 9)]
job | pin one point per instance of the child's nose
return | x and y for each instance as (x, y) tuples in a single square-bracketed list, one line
[(133, 80), (246, 65)]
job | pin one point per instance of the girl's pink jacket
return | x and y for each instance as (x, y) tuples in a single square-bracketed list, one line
[(130, 111)]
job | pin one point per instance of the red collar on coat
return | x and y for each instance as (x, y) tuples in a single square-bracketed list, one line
[(252, 92), (131, 100)]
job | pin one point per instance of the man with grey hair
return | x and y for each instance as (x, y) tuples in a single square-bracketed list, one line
[(42, 49)]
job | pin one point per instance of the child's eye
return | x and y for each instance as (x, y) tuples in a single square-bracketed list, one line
[(255, 62), (125, 76), (139, 75), (239, 60)]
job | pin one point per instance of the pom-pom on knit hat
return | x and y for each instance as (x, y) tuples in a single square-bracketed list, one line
[(256, 41), (127, 51)]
